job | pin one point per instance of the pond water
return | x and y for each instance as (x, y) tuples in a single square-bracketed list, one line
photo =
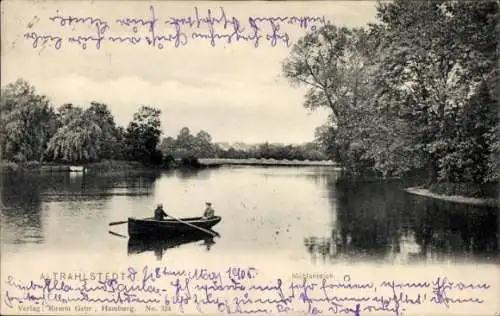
[(291, 214)]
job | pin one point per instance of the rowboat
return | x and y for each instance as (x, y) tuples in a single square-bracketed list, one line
[(151, 228)]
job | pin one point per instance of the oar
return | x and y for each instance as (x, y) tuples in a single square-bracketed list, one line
[(194, 226), (116, 234), (214, 232), (117, 223)]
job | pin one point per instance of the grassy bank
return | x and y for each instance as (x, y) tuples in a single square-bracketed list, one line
[(466, 189), (464, 192), (32, 166), (105, 166), (264, 162), (131, 167), (101, 167), (480, 201), (119, 166)]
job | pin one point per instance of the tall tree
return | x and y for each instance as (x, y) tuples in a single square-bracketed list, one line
[(168, 146), (331, 64), (27, 122), (415, 92), (433, 61), (325, 137), (185, 143), (111, 137), (143, 135), (78, 138), (203, 145), (334, 64)]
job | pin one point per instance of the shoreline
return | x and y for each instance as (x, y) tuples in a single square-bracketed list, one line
[(213, 162), (106, 167), (453, 198), (124, 166)]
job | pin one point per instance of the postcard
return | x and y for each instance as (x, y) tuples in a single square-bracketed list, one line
[(249, 158)]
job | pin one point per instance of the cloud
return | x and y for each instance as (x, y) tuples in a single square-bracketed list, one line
[(228, 109), (234, 92)]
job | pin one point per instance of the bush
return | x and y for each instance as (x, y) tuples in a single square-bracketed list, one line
[(168, 160), (115, 166), (8, 166), (32, 165), (468, 189), (190, 161), (19, 158)]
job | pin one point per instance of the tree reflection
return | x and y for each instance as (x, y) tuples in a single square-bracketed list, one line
[(190, 173), (379, 221), (368, 217), (448, 229), (24, 194), (21, 209)]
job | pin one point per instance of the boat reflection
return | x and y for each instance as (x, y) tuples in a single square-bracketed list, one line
[(160, 246)]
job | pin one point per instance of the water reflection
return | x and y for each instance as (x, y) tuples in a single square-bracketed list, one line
[(466, 231), (160, 246), (190, 173), (25, 226), (303, 210), (25, 199), (381, 222), (60, 186)]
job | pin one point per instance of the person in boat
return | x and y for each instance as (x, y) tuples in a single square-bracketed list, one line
[(209, 211), (160, 213)]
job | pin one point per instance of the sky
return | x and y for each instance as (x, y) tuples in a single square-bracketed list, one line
[(233, 91)]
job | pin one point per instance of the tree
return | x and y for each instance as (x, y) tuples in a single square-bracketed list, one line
[(27, 122), (334, 63), (111, 137), (168, 146), (143, 135), (67, 113), (85, 135), (415, 92), (325, 137), (331, 63), (188, 145), (185, 143), (78, 138), (435, 59), (203, 145)]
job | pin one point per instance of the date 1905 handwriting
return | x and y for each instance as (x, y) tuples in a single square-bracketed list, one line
[(214, 27), (236, 290)]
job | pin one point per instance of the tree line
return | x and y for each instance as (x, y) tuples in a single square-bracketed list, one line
[(414, 93), (33, 130), (201, 145), (308, 151)]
